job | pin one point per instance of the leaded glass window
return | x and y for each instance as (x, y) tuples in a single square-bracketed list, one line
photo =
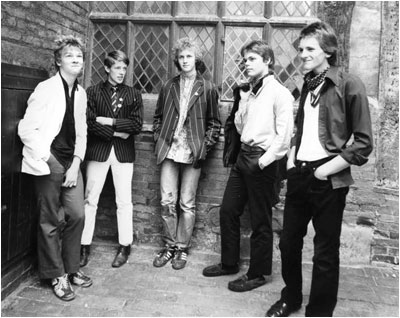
[(245, 8), (110, 6), (152, 7), (293, 8), (107, 37), (205, 37), (151, 57), (235, 38), (198, 7)]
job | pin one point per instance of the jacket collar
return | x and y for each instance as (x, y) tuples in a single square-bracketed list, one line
[(333, 75)]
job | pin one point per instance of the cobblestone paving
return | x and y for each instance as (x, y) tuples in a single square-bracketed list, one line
[(138, 289)]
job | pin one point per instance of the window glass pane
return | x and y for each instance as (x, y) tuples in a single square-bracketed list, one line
[(292, 8), (240, 8), (107, 37), (152, 7), (284, 42), (198, 7), (205, 37), (110, 6), (235, 38), (150, 65)]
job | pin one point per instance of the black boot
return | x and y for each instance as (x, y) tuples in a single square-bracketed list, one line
[(122, 256), (85, 252)]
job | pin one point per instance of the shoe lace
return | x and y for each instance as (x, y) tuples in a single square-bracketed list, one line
[(63, 283), (167, 253)]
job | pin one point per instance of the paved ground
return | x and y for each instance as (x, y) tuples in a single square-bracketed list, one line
[(139, 289)]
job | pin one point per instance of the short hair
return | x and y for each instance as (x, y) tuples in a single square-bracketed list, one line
[(64, 41), (188, 43), (325, 36), (261, 48), (115, 56)]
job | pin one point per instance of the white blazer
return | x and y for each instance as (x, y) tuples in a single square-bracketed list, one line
[(42, 123)]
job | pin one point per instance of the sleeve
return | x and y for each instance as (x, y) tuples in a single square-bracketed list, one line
[(283, 112), (133, 124), (158, 114), (81, 128), (93, 127), (360, 120), (28, 127), (213, 119)]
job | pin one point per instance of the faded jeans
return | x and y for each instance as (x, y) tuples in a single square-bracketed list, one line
[(177, 231)]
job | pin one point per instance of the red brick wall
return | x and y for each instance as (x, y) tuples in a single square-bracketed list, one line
[(29, 28)]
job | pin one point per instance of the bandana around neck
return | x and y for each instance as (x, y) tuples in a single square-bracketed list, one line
[(312, 81)]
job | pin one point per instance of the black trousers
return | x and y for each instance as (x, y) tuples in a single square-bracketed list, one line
[(61, 221), (308, 199), (247, 183)]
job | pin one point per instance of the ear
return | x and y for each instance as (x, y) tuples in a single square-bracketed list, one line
[(327, 55), (58, 63), (107, 69)]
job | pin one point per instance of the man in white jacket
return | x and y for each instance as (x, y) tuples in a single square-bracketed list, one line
[(53, 132)]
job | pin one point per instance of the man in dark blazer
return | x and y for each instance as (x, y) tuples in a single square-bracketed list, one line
[(114, 116), (186, 126)]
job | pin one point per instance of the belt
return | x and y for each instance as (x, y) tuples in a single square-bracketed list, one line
[(248, 148), (311, 165)]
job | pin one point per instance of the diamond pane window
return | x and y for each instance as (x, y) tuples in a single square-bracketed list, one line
[(205, 37), (235, 38), (150, 67), (152, 7), (198, 7), (284, 42), (293, 8), (107, 37), (242, 8), (110, 6)]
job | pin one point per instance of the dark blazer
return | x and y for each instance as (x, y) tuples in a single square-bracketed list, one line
[(202, 122), (128, 119)]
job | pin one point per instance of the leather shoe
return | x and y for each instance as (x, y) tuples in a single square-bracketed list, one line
[(85, 252), (281, 309), (243, 283), (122, 256), (220, 270)]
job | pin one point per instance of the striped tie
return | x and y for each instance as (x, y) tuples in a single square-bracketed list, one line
[(114, 98)]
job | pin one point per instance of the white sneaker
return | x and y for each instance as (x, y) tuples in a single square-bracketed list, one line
[(62, 288)]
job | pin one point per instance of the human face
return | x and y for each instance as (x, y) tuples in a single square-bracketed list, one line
[(313, 57), (116, 73), (187, 61), (71, 61), (255, 65)]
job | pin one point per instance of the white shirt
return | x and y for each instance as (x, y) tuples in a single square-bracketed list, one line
[(310, 147), (266, 120)]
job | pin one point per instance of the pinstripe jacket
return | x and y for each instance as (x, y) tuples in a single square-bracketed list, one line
[(128, 119), (202, 122)]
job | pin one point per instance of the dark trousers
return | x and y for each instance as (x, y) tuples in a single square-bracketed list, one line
[(61, 221), (308, 198), (247, 183)]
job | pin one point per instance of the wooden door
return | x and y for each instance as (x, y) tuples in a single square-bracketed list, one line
[(18, 213)]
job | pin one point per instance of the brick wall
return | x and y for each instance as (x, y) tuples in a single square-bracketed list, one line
[(29, 28)]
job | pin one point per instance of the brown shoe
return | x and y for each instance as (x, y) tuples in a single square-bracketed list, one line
[(122, 256)]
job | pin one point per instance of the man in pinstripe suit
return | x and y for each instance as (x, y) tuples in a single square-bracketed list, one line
[(186, 126), (114, 116)]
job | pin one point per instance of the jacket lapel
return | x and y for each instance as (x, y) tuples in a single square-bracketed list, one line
[(106, 97), (176, 91), (197, 91)]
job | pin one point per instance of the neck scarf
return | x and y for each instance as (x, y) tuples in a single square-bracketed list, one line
[(312, 81)]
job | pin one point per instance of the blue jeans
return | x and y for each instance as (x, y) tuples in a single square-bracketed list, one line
[(61, 220), (178, 231)]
